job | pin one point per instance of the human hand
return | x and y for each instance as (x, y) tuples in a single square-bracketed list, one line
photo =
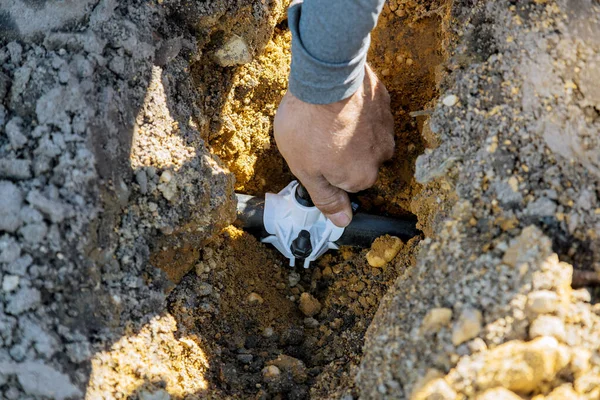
[(337, 148)]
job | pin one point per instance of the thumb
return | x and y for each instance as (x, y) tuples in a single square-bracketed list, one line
[(332, 201)]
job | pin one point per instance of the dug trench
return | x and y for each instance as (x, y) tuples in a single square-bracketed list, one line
[(123, 126), (273, 331)]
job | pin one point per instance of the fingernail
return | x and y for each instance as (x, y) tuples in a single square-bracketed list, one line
[(340, 219)]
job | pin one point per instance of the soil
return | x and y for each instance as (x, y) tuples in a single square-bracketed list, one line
[(127, 126)]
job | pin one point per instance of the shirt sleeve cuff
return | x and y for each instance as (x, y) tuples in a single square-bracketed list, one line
[(318, 82)]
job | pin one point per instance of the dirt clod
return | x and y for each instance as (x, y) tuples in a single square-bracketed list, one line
[(383, 250), (309, 305)]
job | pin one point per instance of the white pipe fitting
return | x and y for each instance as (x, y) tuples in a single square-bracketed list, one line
[(284, 218)]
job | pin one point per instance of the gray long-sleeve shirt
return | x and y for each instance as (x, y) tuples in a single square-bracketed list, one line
[(330, 40)]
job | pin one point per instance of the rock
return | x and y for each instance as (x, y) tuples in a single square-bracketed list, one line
[(521, 366), (506, 195), (450, 100), (78, 352), (518, 250), (204, 289), (268, 332), (435, 319), (168, 185), (589, 384), (245, 358), (30, 215), (292, 365), (542, 207), (142, 180), (41, 380), (234, 52), (547, 325), (554, 275), (383, 250), (293, 278), (436, 389), (270, 372), (10, 205), (23, 300), (543, 302), (498, 394), (160, 394), (34, 233), (310, 322), (52, 209), (117, 65), (254, 298), (10, 250), (44, 343), (15, 169), (10, 283), (309, 305), (467, 327), (168, 51), (14, 132), (580, 360), (20, 265), (477, 345), (563, 392)]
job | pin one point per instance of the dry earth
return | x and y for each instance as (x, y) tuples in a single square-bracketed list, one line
[(125, 128)]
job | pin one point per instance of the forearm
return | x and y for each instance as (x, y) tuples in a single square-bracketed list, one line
[(330, 40)]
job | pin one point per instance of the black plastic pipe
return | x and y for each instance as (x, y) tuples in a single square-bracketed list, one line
[(361, 232)]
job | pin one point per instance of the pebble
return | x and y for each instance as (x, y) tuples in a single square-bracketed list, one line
[(270, 372), (10, 250), (437, 389), (327, 272), (580, 360), (562, 392), (10, 205), (467, 327), (498, 394), (34, 233), (51, 208), (310, 322), (543, 302), (234, 52), (435, 319), (294, 279), (160, 394), (23, 300), (245, 358), (292, 365), (450, 100), (548, 325), (255, 298), (10, 283), (15, 169), (142, 180), (14, 132), (309, 305), (522, 366), (268, 332), (204, 289)]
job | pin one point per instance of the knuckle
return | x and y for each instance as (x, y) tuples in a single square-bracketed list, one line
[(328, 202), (364, 181)]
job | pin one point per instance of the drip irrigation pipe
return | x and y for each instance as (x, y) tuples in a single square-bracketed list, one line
[(361, 232)]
